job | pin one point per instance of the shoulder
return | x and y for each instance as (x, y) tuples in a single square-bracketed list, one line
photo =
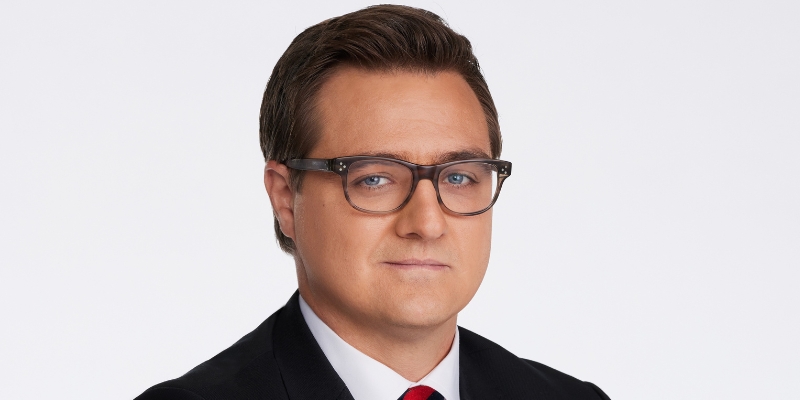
[(246, 369), (488, 367)]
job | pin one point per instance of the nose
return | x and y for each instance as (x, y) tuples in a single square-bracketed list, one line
[(423, 217)]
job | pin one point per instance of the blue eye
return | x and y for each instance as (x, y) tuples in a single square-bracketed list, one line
[(374, 180), (456, 179)]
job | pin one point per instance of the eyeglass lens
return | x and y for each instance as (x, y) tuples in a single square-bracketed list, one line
[(382, 185)]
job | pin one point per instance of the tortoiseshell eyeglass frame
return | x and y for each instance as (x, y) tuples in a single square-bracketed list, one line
[(341, 165)]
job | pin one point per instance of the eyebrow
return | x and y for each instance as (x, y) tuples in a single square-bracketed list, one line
[(440, 158)]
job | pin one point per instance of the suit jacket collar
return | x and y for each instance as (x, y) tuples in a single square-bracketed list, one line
[(308, 375), (306, 372), (473, 384)]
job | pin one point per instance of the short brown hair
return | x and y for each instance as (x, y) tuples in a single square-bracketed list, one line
[(381, 38)]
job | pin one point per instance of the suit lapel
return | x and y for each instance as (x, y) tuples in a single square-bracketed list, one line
[(308, 375), (472, 380), (306, 372)]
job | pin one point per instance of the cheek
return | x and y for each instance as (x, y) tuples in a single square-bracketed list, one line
[(333, 239), (474, 245), (474, 235)]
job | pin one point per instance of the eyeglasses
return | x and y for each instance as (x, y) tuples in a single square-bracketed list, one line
[(382, 185)]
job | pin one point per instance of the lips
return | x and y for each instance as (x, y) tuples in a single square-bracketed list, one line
[(411, 263)]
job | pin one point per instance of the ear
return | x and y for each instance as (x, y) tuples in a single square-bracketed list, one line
[(276, 180)]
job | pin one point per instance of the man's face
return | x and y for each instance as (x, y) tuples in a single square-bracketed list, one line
[(415, 267)]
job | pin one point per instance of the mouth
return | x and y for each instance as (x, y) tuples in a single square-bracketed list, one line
[(415, 263)]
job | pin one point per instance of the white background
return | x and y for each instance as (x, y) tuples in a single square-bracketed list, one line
[(648, 240)]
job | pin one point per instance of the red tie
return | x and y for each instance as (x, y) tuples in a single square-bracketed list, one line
[(421, 393)]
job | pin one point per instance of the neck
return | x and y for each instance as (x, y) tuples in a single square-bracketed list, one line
[(411, 351)]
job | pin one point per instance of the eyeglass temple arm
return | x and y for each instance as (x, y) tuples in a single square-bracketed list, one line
[(309, 164)]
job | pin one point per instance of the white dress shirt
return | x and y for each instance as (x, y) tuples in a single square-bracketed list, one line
[(367, 378)]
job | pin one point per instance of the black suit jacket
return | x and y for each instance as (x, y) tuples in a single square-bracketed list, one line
[(281, 360)]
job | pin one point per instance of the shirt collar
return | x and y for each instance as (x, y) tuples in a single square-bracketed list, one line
[(367, 378)]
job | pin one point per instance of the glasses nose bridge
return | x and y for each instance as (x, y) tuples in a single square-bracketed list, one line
[(423, 172), (426, 172)]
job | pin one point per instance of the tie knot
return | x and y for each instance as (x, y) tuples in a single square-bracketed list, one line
[(421, 393)]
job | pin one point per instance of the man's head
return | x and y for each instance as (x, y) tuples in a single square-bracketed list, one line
[(392, 81)]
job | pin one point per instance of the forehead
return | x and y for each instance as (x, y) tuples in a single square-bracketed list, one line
[(419, 117)]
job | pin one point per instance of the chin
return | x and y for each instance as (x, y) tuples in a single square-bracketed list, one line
[(424, 312)]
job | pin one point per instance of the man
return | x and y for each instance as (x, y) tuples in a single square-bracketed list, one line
[(381, 141)]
